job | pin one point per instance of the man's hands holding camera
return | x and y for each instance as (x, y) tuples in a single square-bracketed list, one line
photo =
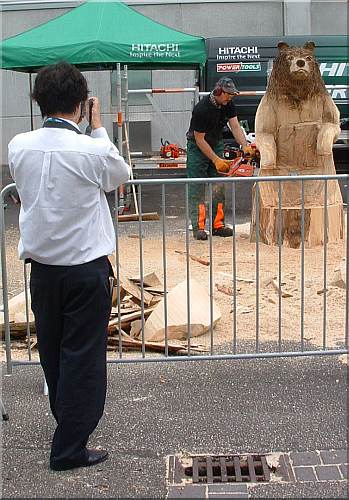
[(93, 112)]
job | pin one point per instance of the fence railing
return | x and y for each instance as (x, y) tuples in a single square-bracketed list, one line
[(274, 301)]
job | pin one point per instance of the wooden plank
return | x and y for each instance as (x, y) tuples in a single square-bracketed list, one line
[(134, 290), (149, 280), (127, 341), (177, 316), (134, 217), (127, 318)]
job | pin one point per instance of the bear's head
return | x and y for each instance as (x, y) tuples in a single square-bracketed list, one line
[(295, 75)]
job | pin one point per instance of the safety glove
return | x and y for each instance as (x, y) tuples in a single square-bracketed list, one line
[(248, 150), (222, 165)]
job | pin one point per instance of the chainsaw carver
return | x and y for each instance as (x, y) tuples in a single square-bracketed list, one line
[(205, 151)]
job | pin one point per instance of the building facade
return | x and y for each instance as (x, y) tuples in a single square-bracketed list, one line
[(161, 116)]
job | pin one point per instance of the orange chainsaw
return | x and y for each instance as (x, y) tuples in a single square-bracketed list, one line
[(170, 151), (243, 166)]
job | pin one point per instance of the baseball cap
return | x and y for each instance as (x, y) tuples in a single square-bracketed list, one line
[(227, 85)]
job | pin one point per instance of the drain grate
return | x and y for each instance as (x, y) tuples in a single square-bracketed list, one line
[(223, 469)]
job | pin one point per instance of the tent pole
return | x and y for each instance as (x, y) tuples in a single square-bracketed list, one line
[(119, 209), (127, 115), (31, 102), (119, 106)]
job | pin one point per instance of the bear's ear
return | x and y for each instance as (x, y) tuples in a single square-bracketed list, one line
[(309, 46), (283, 46)]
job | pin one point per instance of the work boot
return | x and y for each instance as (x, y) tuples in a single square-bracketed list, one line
[(200, 234), (223, 231)]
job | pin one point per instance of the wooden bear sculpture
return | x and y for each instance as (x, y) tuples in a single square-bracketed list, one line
[(297, 123)]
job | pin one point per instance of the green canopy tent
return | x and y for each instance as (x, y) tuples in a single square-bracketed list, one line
[(102, 35), (97, 35)]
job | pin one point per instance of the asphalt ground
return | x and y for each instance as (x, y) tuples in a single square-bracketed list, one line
[(154, 410)]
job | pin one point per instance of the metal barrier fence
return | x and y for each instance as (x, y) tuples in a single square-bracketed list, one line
[(253, 339)]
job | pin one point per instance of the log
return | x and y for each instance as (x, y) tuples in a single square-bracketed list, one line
[(291, 225), (18, 330)]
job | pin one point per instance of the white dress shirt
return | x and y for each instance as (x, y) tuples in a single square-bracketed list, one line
[(61, 177)]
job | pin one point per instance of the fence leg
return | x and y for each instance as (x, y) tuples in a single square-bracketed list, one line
[(45, 388), (3, 411)]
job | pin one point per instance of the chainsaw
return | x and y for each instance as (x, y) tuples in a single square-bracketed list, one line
[(240, 165), (168, 150)]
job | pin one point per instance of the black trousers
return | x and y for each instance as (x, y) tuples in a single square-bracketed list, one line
[(71, 306)]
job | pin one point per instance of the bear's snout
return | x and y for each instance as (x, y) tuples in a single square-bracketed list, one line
[(299, 68)]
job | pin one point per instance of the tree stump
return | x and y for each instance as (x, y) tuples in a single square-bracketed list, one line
[(316, 214)]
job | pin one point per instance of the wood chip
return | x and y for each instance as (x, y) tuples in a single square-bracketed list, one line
[(283, 293), (193, 257), (228, 290), (245, 280), (244, 310)]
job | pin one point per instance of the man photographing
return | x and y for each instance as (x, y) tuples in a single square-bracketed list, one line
[(67, 233), (204, 154)]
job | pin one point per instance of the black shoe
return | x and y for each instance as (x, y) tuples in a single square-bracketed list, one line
[(94, 457), (223, 231), (200, 234)]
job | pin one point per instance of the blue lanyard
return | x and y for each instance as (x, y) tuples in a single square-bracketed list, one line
[(58, 123)]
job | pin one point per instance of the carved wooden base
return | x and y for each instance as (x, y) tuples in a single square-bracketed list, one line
[(291, 225)]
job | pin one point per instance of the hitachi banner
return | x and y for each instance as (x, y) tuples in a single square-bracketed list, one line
[(157, 50), (237, 53)]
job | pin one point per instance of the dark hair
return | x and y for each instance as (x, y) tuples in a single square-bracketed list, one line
[(59, 88)]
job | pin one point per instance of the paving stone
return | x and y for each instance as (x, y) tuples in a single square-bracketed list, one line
[(188, 491), (328, 473), (227, 488), (344, 470), (304, 474), (305, 458), (334, 456)]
